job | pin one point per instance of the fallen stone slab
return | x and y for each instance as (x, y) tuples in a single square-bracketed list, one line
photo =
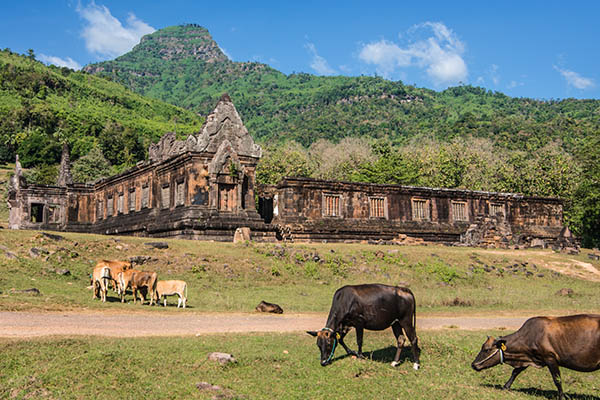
[(37, 251), (10, 255), (53, 236), (33, 291), (140, 260), (157, 245)]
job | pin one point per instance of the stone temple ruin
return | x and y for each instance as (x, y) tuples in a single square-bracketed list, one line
[(204, 188)]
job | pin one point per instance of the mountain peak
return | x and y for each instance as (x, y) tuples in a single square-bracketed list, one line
[(179, 42)]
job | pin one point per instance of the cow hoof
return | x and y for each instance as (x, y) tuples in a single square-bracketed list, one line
[(416, 366), (394, 363)]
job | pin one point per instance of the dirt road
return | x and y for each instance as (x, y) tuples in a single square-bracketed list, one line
[(32, 324)]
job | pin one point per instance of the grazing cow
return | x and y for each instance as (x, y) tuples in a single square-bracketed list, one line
[(373, 307), (115, 268), (170, 288), (263, 306), (101, 276), (572, 342), (134, 279)]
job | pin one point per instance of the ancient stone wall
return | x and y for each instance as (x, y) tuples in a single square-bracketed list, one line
[(309, 209)]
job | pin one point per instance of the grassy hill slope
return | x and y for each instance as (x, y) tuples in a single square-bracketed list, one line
[(40, 106)]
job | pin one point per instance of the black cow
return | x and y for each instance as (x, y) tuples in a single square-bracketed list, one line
[(374, 307), (572, 342)]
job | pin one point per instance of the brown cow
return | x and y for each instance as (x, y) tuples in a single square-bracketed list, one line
[(170, 288), (572, 342), (264, 306), (101, 275), (134, 279), (115, 268)]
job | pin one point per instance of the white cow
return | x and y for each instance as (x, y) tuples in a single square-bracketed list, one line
[(101, 276), (170, 288)]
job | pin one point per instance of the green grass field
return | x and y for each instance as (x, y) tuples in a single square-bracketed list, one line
[(270, 366), (300, 277)]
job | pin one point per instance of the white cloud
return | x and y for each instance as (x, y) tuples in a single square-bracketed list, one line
[(60, 62), (318, 63), (514, 84), (494, 74), (105, 36), (576, 80), (440, 54)]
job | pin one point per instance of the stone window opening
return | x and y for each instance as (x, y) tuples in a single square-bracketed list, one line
[(420, 209), (131, 199), (109, 206), (145, 196), (332, 205), (53, 214), (180, 193), (496, 208), (36, 213), (120, 204), (459, 211), (100, 210), (244, 191), (377, 207), (165, 195)]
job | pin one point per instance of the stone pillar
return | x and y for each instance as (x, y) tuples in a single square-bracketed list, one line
[(64, 173)]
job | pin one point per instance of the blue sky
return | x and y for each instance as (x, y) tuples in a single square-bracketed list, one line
[(539, 49)]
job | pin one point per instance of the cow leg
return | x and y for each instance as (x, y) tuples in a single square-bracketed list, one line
[(178, 301), (397, 329), (556, 377), (515, 373), (359, 341), (341, 340), (411, 334)]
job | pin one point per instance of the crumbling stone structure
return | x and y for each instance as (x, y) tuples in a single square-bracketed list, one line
[(201, 188), (304, 209), (204, 188)]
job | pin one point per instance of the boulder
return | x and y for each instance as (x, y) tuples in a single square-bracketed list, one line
[(36, 252), (222, 358), (537, 244), (241, 235), (565, 292)]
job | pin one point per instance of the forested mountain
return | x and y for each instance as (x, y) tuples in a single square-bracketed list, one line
[(183, 65), (40, 107)]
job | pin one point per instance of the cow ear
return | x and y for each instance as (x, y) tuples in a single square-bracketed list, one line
[(312, 333), (500, 343)]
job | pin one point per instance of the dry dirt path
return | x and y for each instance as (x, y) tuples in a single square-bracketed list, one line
[(35, 324)]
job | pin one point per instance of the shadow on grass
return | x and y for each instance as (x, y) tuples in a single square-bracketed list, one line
[(385, 355), (547, 394)]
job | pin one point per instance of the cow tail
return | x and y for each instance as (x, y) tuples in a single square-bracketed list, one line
[(185, 290), (414, 313)]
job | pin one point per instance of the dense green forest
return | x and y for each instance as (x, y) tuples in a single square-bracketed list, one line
[(41, 107), (345, 128)]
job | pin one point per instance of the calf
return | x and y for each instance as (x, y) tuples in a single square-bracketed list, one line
[(116, 267), (375, 307), (572, 342), (264, 306), (101, 275), (135, 280), (170, 288)]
